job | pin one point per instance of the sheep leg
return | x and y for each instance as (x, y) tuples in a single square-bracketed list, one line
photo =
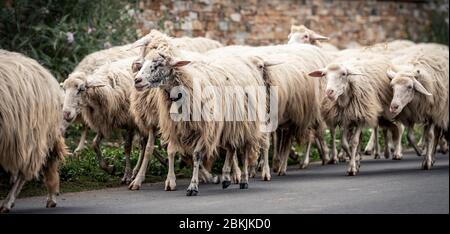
[(325, 151), (443, 145), (275, 157), (235, 171), (387, 151), (304, 164), (51, 181), (8, 203), (265, 174), (371, 143), (148, 150), (244, 176), (354, 164), (170, 184), (96, 145), (334, 154), (397, 132), (81, 144), (345, 146), (226, 169), (377, 147), (207, 176), (429, 142), (197, 160), (412, 142), (128, 136), (142, 144)]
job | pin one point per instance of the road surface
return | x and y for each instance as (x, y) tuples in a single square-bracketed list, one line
[(383, 186)]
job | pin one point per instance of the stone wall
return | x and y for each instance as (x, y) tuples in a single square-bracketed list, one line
[(262, 22)]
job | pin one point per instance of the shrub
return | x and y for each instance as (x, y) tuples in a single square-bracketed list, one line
[(60, 33)]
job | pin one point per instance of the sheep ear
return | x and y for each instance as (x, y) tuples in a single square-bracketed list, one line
[(318, 73), (419, 88), (318, 37), (391, 74), (179, 63), (141, 42)]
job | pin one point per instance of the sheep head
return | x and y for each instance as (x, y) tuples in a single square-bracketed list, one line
[(303, 35), (337, 76), (156, 71), (405, 85)]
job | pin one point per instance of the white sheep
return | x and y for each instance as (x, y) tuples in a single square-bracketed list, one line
[(359, 91), (31, 139), (420, 86)]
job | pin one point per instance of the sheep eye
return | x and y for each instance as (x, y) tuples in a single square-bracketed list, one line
[(410, 87), (343, 74), (306, 36), (136, 67)]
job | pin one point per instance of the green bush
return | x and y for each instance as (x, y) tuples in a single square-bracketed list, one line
[(60, 33)]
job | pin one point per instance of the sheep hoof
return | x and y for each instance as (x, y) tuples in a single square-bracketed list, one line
[(397, 157), (191, 192), (377, 156), (243, 185), (226, 184), (387, 155), (266, 178), (351, 173), (333, 161), (281, 173), (304, 165), (368, 152), (4, 210), (215, 179), (51, 204), (170, 186), (134, 187), (426, 165)]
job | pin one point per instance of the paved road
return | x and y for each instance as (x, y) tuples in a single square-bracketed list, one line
[(383, 186)]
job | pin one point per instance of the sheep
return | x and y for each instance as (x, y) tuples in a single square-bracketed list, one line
[(358, 88), (31, 139), (419, 81), (162, 70), (303, 35), (299, 103), (307, 57), (87, 66), (147, 121), (408, 48), (103, 99)]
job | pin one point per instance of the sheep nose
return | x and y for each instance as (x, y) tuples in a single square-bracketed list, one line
[(67, 115), (138, 80), (329, 92), (394, 107)]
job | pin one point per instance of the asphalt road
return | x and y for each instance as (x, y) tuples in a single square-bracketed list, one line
[(383, 186)]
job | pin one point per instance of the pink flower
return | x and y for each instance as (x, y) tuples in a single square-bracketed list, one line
[(70, 37)]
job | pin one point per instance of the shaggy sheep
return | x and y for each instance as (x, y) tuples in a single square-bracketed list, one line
[(31, 139), (200, 138), (359, 90), (86, 67), (144, 105), (420, 86), (103, 99), (303, 35)]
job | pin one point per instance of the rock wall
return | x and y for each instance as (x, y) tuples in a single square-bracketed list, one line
[(262, 22)]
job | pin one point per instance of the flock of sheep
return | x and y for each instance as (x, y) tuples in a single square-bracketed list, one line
[(392, 86)]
